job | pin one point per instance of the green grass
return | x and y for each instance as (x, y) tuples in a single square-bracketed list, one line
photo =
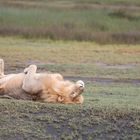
[(111, 109), (115, 95), (71, 20), (50, 18), (73, 58)]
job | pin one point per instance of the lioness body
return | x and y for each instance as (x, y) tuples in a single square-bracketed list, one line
[(12, 86), (44, 87)]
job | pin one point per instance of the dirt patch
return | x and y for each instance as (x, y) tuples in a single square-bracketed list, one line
[(104, 80), (123, 66)]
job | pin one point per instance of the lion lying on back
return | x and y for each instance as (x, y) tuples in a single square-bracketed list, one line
[(44, 87)]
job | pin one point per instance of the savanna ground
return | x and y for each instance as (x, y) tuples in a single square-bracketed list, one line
[(111, 73), (32, 32)]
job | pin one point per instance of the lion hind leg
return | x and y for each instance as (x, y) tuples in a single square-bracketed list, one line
[(31, 83), (1, 68)]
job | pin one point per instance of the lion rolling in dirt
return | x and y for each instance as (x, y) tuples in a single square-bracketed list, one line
[(44, 87)]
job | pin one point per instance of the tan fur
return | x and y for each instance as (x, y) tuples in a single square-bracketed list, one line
[(43, 87)]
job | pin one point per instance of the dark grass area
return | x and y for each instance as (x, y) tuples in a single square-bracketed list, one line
[(58, 33), (29, 120)]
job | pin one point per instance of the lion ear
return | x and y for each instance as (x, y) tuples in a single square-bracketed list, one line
[(60, 99)]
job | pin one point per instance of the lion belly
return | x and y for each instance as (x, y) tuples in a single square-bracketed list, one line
[(13, 87)]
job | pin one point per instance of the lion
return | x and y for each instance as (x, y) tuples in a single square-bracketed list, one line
[(43, 87)]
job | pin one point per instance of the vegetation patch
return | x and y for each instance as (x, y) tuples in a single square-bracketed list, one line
[(116, 21), (28, 120), (111, 109)]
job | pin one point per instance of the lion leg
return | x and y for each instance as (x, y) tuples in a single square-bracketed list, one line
[(1, 68), (1, 76), (31, 83)]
